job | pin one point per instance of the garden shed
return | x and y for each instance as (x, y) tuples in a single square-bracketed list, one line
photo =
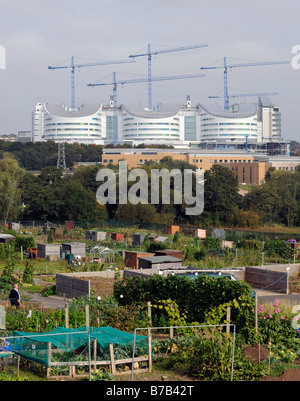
[(171, 230), (132, 258), (48, 251), (138, 239), (199, 233), (95, 235), (156, 262), (5, 238), (74, 248), (117, 237)]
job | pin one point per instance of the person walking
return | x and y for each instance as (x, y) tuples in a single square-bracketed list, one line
[(14, 296)]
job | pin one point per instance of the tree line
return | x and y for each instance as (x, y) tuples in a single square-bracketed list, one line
[(54, 196), (35, 156)]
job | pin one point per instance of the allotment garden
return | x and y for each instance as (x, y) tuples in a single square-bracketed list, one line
[(206, 328)]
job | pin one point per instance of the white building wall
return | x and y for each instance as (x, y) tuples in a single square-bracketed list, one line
[(38, 123), (214, 128), (82, 129)]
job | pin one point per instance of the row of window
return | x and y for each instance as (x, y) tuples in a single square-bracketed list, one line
[(130, 124), (73, 135), (150, 129), (222, 161), (74, 123), (72, 129), (229, 129), (211, 124), (161, 135)]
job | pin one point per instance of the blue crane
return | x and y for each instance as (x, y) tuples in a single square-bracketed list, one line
[(230, 66), (150, 53), (73, 66), (115, 83), (246, 95)]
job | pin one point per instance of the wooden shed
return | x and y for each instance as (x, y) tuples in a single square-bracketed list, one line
[(171, 230), (117, 237), (132, 258), (199, 233)]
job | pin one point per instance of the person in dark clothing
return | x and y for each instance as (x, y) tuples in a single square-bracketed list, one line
[(14, 296)]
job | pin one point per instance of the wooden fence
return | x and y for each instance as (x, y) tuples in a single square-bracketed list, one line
[(69, 286)]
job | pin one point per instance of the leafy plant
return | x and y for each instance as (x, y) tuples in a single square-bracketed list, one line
[(28, 272), (275, 326)]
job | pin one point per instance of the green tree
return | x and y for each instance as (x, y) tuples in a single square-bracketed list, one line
[(221, 191), (11, 176)]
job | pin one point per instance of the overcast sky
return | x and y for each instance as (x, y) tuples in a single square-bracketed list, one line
[(39, 33)]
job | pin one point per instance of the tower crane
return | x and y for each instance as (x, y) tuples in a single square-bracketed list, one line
[(73, 66), (150, 53), (226, 66), (115, 83), (246, 95)]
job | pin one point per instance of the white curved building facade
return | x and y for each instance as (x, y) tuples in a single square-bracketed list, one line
[(62, 124), (154, 126), (168, 124), (234, 125)]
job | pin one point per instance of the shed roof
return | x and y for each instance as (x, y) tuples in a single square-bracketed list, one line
[(161, 259)]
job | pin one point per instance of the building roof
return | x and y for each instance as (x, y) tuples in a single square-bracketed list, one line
[(161, 259), (7, 236), (161, 239), (238, 110), (163, 110), (101, 249), (61, 110)]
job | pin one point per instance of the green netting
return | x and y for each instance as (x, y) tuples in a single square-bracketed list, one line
[(35, 346)]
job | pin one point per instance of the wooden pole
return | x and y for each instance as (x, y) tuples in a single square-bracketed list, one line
[(18, 365), (150, 317), (256, 313), (87, 316), (67, 316), (112, 359), (95, 353), (228, 318), (150, 353), (49, 358)]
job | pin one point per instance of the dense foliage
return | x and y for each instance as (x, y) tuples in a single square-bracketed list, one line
[(194, 297), (57, 197)]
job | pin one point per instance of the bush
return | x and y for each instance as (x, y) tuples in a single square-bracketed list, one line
[(275, 326)]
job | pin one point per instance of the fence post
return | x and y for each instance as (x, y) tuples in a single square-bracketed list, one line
[(150, 317), (95, 353), (256, 312), (150, 353), (67, 316), (87, 316), (49, 359), (228, 320), (112, 359)]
